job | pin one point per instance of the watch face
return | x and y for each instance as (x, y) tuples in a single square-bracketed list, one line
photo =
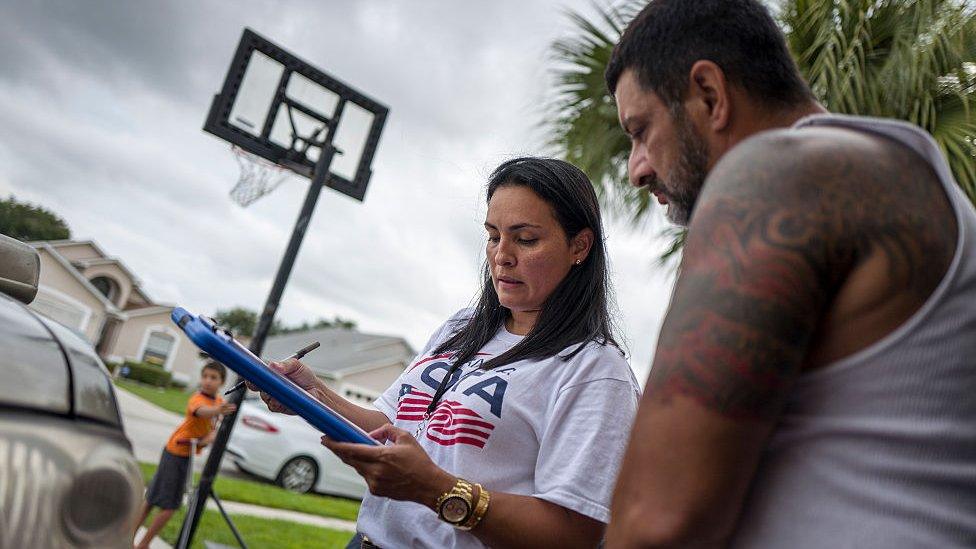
[(455, 509)]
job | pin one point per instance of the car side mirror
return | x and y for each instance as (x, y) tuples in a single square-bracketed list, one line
[(20, 268)]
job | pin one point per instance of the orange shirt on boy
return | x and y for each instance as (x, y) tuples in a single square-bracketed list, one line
[(193, 426)]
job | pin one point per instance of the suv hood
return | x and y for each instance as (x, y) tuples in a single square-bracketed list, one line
[(48, 367), (33, 369)]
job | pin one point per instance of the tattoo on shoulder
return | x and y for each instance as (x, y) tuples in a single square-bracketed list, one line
[(770, 244)]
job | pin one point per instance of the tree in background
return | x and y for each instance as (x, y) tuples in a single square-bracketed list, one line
[(336, 322), (912, 60), (906, 59), (242, 322), (28, 222)]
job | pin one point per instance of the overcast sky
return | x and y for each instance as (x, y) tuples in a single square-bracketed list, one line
[(102, 104)]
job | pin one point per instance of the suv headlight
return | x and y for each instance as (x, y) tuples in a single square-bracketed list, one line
[(65, 484), (96, 503)]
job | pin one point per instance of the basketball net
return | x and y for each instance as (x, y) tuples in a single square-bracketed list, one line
[(258, 177)]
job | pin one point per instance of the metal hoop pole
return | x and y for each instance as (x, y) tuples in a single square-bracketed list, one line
[(230, 523), (205, 487)]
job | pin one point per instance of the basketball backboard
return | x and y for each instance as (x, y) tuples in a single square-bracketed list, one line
[(279, 107)]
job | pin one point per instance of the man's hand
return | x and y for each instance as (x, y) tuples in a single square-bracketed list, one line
[(401, 471)]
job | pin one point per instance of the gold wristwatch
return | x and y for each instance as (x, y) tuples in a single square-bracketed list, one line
[(479, 510), (456, 505)]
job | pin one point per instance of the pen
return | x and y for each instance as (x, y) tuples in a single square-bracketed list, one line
[(301, 352)]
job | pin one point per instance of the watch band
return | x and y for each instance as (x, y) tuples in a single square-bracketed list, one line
[(462, 490), (484, 497)]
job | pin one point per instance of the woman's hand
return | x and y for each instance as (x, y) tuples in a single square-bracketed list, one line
[(401, 471), (304, 377), (300, 375)]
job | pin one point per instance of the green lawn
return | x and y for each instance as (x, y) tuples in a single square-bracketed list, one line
[(257, 532), (268, 495), (171, 399)]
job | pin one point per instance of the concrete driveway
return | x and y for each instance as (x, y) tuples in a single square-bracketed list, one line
[(148, 427)]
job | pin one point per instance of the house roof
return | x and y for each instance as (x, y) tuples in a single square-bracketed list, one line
[(109, 306), (105, 259), (343, 352)]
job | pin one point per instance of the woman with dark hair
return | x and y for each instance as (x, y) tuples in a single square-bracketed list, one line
[(508, 428)]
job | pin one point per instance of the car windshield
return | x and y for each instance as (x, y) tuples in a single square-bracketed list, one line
[(33, 372)]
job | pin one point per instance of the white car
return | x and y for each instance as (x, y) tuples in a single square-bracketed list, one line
[(288, 451)]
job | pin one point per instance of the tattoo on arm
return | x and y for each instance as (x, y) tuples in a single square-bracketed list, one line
[(771, 242)]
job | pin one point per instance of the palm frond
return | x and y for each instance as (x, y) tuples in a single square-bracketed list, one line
[(905, 59), (581, 119), (913, 60)]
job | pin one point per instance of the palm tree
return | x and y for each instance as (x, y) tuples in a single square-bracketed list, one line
[(906, 59), (582, 117), (912, 60)]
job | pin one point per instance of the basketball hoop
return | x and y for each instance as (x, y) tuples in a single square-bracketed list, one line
[(258, 177)]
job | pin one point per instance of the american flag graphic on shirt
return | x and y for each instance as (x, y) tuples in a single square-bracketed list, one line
[(451, 422)]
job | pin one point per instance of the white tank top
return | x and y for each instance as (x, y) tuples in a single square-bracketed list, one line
[(879, 449)]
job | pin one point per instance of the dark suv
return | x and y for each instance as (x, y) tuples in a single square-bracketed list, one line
[(68, 477)]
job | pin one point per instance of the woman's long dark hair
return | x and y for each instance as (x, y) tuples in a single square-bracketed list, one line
[(577, 311)]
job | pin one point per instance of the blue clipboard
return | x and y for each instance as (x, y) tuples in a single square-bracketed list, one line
[(222, 347)]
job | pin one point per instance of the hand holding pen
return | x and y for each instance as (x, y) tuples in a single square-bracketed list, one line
[(301, 352)]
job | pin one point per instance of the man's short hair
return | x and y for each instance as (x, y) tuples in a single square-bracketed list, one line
[(217, 367), (668, 36)]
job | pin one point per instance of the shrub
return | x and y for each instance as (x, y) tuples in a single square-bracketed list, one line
[(147, 373)]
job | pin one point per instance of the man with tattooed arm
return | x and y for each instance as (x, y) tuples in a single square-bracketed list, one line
[(814, 383)]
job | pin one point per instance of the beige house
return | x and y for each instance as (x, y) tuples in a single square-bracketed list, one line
[(358, 366), (96, 295)]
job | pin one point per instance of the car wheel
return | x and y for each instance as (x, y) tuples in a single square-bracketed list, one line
[(298, 475)]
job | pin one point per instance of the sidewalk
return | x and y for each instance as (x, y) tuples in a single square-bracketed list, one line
[(145, 424), (156, 543), (148, 427), (235, 508)]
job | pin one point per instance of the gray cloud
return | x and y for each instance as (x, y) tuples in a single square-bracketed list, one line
[(102, 105)]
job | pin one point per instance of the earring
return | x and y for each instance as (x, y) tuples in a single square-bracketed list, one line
[(578, 261)]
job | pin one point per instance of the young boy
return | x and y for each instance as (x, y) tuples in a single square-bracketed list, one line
[(202, 411)]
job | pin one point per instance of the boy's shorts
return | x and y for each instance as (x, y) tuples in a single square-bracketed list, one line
[(168, 484)]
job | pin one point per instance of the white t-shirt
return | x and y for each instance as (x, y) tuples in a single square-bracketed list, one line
[(549, 428)]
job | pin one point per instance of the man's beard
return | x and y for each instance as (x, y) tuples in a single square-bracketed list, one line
[(685, 181)]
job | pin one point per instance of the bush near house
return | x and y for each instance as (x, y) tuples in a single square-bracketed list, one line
[(149, 374)]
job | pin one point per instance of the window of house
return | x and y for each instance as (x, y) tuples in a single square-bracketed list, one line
[(158, 348), (106, 286)]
